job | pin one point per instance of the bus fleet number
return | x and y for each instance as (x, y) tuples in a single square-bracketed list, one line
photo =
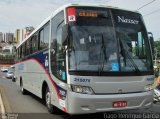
[(82, 80)]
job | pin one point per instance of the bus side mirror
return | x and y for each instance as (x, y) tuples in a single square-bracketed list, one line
[(65, 34), (151, 39)]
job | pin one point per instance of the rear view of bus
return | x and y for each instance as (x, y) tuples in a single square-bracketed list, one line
[(108, 60)]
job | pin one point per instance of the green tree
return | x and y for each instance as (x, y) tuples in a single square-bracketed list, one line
[(157, 47)]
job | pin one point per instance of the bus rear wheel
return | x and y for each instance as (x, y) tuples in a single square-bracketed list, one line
[(24, 91)]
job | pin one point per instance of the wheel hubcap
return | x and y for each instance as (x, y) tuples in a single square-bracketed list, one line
[(48, 101), (22, 89)]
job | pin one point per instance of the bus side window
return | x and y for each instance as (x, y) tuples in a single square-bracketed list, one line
[(20, 52), (30, 47), (57, 56), (41, 39), (27, 48), (17, 54), (23, 50), (34, 43), (60, 56), (44, 37)]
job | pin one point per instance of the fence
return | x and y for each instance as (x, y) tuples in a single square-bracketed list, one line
[(7, 60)]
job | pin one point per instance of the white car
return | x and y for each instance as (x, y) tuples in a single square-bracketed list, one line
[(10, 74), (4, 69)]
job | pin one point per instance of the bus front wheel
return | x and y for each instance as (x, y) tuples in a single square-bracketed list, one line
[(49, 106)]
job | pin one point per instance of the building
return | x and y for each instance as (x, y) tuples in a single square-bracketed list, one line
[(21, 34), (8, 49), (18, 37), (9, 37), (29, 29), (1, 37)]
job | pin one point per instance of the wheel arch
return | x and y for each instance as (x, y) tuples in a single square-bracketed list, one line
[(20, 81), (44, 86)]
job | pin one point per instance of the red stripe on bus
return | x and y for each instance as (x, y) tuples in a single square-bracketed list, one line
[(64, 109)]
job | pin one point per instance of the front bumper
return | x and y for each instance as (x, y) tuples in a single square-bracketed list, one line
[(82, 103), (9, 76)]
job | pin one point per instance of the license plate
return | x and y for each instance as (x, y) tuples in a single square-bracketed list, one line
[(119, 104)]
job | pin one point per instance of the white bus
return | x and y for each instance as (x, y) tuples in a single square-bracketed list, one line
[(88, 59)]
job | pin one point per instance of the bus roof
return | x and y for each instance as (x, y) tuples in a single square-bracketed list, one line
[(71, 5)]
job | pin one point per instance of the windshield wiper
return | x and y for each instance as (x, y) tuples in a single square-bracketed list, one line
[(126, 54), (102, 53)]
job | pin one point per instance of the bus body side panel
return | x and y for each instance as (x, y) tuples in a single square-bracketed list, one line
[(31, 75), (17, 74), (34, 73)]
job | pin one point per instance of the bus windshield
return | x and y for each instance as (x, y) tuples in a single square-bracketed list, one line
[(108, 40)]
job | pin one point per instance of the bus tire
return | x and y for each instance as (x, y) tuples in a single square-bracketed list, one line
[(50, 107), (13, 79), (23, 91)]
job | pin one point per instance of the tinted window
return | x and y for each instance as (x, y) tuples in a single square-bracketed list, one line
[(57, 54), (93, 40), (133, 39), (34, 43), (23, 50), (41, 38), (27, 47), (54, 24), (44, 37)]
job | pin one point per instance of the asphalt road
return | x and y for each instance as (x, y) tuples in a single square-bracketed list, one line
[(29, 106)]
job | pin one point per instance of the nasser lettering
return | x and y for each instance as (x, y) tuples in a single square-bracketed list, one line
[(127, 21)]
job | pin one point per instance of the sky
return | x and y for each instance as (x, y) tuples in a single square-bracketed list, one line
[(16, 14)]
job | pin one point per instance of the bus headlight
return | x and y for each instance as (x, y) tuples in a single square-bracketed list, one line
[(148, 87), (82, 89)]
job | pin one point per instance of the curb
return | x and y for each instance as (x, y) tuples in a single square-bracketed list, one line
[(7, 108), (2, 105)]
